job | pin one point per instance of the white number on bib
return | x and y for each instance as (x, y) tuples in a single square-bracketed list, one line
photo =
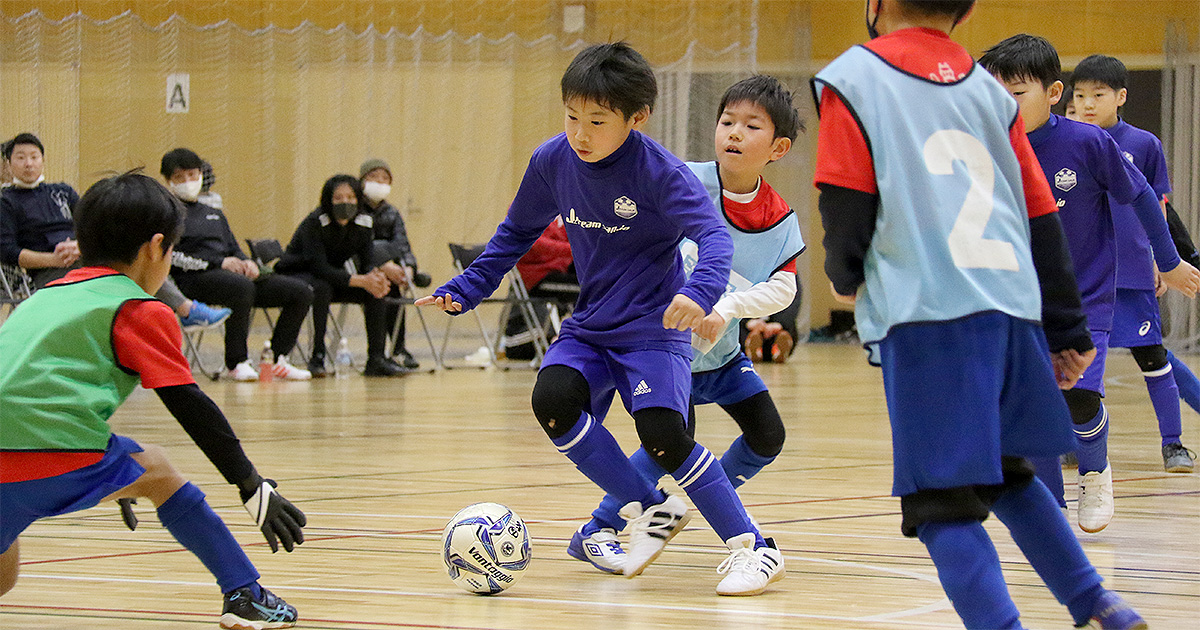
[(968, 247)]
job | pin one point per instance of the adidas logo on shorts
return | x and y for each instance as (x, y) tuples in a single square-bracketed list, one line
[(642, 388)]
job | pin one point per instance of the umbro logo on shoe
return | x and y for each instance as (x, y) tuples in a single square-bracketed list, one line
[(642, 388)]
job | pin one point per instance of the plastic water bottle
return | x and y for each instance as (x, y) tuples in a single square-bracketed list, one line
[(266, 367), (343, 362)]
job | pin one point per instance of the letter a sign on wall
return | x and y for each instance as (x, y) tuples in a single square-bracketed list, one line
[(178, 95)]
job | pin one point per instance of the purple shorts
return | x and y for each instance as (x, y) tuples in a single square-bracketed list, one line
[(1136, 319), (731, 383), (643, 378), (23, 502)]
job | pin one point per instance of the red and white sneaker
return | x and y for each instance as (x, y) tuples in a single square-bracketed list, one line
[(285, 370)]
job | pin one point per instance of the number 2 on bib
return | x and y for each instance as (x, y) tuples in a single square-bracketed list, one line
[(968, 247)]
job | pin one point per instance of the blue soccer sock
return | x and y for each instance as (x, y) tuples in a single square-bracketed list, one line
[(607, 513), (1049, 471), (705, 483), (1048, 542), (198, 528), (969, 570), (741, 463), (1164, 396), (1186, 381), (1093, 443), (597, 455)]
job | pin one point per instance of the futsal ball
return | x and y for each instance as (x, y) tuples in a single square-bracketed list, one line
[(486, 548)]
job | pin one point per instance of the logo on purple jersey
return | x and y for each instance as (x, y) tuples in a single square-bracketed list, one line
[(1065, 180), (625, 208), (1128, 156)]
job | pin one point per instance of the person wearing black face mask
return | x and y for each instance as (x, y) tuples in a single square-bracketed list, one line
[(337, 232)]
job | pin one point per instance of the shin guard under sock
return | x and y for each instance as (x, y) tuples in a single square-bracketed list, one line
[(705, 483), (198, 528), (741, 463), (607, 513), (597, 455), (1164, 396), (1050, 545), (1186, 381), (969, 570), (1093, 443)]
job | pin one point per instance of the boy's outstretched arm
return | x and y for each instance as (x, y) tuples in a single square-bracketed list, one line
[(146, 339), (280, 521)]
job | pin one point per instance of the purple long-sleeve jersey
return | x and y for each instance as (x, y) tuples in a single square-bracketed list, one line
[(625, 216), (1090, 180), (1144, 151)]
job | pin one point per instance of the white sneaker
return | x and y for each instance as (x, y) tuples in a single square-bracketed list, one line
[(1095, 508), (285, 370), (601, 549), (243, 372), (650, 530), (747, 570)]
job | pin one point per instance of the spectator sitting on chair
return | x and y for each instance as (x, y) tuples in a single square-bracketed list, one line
[(209, 263), (337, 232), (37, 233), (392, 252), (548, 271)]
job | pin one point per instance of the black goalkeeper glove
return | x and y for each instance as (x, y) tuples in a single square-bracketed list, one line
[(279, 520)]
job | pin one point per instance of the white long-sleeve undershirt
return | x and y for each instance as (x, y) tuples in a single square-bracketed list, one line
[(760, 300)]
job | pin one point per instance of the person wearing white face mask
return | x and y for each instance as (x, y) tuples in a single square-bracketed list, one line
[(209, 263), (393, 253), (37, 233)]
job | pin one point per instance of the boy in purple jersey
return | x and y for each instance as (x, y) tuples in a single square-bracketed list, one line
[(627, 203), (1086, 170), (1099, 89)]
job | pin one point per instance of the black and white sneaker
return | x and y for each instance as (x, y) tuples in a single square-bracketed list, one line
[(747, 570), (243, 612)]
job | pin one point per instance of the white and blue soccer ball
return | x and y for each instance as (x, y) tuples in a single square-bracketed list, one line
[(486, 548)]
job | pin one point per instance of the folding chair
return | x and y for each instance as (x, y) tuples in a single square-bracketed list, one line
[(15, 286), (408, 298), (191, 351), (264, 251), (538, 307), (518, 297)]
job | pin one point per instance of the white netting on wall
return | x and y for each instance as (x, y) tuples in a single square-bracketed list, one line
[(1181, 142), (279, 110)]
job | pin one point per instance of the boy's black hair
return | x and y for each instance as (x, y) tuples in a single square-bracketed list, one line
[(1101, 69), (22, 138), (179, 159), (118, 214), (614, 76), (1023, 56), (768, 93), (956, 8), (332, 184)]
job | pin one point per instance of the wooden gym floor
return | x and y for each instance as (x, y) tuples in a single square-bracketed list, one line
[(380, 465)]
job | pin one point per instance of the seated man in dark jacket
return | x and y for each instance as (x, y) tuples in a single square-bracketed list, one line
[(393, 253), (37, 233), (209, 264), (338, 232)]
